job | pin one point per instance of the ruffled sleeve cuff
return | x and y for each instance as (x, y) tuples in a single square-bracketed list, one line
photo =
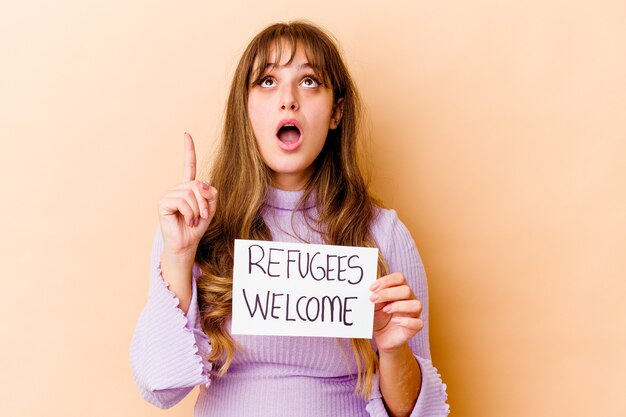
[(168, 348), (431, 401), (190, 325)]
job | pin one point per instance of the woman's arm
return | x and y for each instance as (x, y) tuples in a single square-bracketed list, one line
[(404, 377), (400, 380)]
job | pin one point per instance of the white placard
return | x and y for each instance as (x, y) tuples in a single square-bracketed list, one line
[(298, 289)]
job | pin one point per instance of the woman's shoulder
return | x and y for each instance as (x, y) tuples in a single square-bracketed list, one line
[(387, 227), (393, 239), (384, 215), (386, 219)]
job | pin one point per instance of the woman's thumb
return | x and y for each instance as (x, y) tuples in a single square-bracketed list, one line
[(212, 205)]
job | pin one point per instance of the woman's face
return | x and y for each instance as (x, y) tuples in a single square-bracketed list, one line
[(291, 113)]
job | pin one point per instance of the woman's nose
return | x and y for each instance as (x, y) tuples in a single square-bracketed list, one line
[(292, 106), (288, 99)]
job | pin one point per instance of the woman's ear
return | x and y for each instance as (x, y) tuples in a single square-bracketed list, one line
[(337, 113)]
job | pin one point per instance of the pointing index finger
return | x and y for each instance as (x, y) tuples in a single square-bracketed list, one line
[(189, 172)]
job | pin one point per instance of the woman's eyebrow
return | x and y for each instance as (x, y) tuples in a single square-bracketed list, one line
[(298, 68), (306, 65)]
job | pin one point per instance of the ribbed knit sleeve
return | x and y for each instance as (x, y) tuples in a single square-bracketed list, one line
[(168, 347), (398, 248)]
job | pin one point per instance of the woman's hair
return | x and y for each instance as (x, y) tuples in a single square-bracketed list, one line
[(344, 204)]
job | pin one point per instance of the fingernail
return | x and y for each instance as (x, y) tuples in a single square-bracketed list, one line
[(387, 308), (374, 286), (205, 213), (205, 185), (374, 297)]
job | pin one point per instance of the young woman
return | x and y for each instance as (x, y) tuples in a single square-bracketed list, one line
[(286, 170)]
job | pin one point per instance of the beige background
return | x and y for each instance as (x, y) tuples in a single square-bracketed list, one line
[(499, 137)]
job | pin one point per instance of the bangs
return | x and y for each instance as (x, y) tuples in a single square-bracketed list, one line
[(270, 45)]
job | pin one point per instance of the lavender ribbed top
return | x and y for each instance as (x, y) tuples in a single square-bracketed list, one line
[(274, 375)]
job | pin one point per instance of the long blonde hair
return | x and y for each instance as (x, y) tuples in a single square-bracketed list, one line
[(345, 206)]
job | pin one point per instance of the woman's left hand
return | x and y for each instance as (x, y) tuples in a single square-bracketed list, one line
[(396, 313)]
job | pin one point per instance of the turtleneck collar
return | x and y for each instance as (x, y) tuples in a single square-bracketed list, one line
[(287, 200)]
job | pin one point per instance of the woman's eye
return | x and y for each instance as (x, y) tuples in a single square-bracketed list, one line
[(310, 82), (266, 82)]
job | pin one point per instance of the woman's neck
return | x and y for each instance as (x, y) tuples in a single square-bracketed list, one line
[(290, 181)]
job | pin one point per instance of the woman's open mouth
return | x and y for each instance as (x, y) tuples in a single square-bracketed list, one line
[(289, 134)]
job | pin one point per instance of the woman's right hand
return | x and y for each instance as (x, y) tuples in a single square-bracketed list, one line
[(186, 210)]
